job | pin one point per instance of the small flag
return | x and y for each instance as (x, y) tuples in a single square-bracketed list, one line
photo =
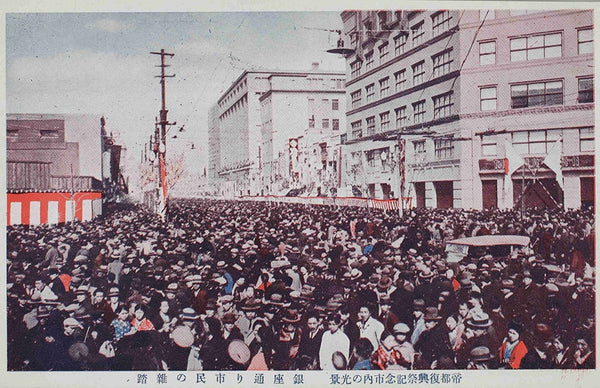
[(552, 160), (512, 161)]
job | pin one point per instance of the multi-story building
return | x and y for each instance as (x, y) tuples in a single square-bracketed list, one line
[(239, 134), (55, 167), (528, 82), (302, 118), (433, 97), (258, 116), (214, 149)]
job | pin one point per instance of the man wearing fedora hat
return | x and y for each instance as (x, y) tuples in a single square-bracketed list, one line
[(476, 335), (434, 342), (286, 346)]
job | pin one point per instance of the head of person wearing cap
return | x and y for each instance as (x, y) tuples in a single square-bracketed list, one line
[(480, 358), (431, 317), (418, 308), (401, 332)]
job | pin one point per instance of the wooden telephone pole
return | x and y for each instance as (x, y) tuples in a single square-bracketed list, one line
[(162, 141)]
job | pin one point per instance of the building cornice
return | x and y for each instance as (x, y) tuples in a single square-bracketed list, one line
[(529, 111), (314, 91)]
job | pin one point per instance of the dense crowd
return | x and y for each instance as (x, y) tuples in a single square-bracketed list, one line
[(229, 285)]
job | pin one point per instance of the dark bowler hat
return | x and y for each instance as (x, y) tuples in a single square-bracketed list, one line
[(480, 354), (432, 314)]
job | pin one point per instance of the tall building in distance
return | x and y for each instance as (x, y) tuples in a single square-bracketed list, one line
[(436, 101), (302, 119), (265, 115)]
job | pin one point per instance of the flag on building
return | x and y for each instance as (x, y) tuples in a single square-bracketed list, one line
[(553, 159), (512, 161)]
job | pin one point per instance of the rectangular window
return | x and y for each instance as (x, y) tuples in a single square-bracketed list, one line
[(586, 90), (535, 142), (355, 69), (336, 124), (418, 73), (400, 44), (418, 33), (536, 94), (419, 146), (370, 125), (370, 92), (48, 133), (369, 61), (384, 87), (586, 139), (585, 41), (487, 14), (400, 78), (383, 53), (442, 105), (311, 122), (488, 146), (382, 18), (536, 47), (441, 63), (487, 53), (356, 129), (325, 123), (444, 148), (401, 118), (441, 22), (374, 157), (419, 112), (356, 98), (385, 121), (335, 104), (354, 36), (487, 98)]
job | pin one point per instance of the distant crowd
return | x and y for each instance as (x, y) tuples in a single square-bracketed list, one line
[(225, 285)]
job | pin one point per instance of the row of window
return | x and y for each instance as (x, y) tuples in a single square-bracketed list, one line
[(441, 22), (335, 104), (538, 142), (12, 134), (538, 46), (536, 94), (443, 148), (233, 93), (441, 63), (443, 106), (335, 123)]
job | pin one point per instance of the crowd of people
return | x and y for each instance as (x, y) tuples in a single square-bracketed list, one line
[(225, 285)]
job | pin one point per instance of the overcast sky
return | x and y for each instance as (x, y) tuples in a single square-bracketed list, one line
[(101, 63)]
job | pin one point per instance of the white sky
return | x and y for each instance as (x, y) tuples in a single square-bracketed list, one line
[(101, 63)]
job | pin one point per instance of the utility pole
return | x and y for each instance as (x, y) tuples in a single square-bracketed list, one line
[(162, 145)]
